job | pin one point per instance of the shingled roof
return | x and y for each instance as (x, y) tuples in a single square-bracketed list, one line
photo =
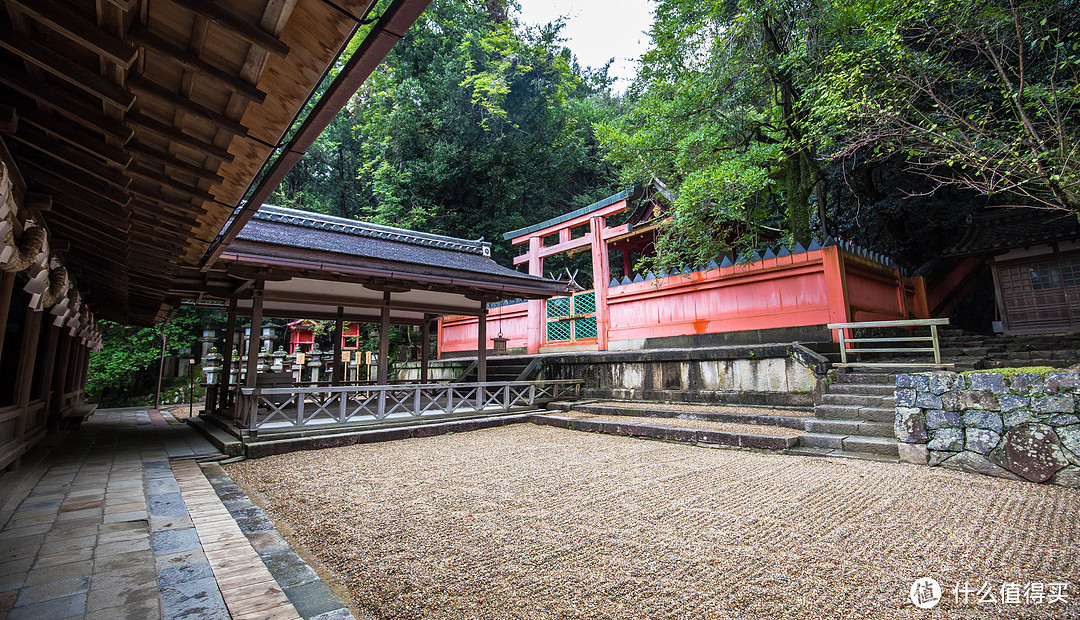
[(998, 230)]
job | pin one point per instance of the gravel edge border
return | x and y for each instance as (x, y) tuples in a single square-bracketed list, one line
[(312, 597)]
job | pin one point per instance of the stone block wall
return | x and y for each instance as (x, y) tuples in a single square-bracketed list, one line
[(1012, 425)]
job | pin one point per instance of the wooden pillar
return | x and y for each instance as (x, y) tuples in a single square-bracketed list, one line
[(226, 357), (481, 344), (601, 278), (338, 374), (25, 375), (425, 344), (60, 379), (48, 369), (627, 264), (256, 331), (7, 284), (384, 340), (535, 329), (832, 260)]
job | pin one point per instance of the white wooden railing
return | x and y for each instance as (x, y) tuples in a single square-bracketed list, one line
[(932, 339), (295, 407)]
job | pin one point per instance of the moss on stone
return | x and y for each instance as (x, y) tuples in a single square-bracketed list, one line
[(1012, 372)]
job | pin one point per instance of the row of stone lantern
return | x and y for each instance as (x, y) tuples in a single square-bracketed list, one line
[(305, 367)]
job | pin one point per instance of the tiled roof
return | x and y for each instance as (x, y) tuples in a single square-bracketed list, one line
[(1001, 229), (397, 250), (366, 229)]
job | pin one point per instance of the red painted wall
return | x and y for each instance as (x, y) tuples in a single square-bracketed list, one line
[(806, 289)]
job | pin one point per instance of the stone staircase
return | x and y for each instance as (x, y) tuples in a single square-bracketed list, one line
[(503, 368), (856, 414), (854, 419), (757, 428)]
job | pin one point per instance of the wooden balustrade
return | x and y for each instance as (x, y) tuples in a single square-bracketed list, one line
[(295, 407)]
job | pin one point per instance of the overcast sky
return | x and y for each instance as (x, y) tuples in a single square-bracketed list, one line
[(599, 30)]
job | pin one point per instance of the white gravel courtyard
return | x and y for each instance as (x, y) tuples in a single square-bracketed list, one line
[(528, 521)]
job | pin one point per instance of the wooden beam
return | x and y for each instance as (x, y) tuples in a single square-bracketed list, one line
[(217, 119), (76, 159), (9, 119), (55, 63), (193, 62), (67, 22), (63, 103), (144, 151), (38, 202), (164, 130), (44, 171), (158, 177), (252, 33), (76, 136)]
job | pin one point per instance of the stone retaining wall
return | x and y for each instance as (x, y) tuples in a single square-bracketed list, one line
[(1015, 425)]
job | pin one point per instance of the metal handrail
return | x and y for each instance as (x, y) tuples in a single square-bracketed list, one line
[(935, 348)]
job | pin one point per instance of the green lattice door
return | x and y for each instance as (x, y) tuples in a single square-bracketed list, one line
[(570, 319)]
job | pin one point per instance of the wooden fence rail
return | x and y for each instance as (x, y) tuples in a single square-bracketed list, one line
[(932, 339), (295, 407)]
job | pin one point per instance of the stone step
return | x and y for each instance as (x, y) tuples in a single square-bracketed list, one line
[(268, 444), (850, 427), (872, 378), (851, 412), (225, 442), (757, 441), (885, 446), (658, 413), (866, 389), (859, 400), (831, 452), (822, 440)]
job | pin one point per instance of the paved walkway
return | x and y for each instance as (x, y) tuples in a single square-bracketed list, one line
[(119, 521)]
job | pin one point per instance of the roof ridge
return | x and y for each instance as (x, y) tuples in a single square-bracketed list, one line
[(311, 219)]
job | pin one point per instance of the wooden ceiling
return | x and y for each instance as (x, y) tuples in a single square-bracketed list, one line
[(146, 122)]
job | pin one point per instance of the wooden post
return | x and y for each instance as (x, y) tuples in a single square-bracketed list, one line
[(535, 329), (481, 344), (601, 278), (7, 284), (832, 261), (48, 369), (337, 375), (425, 342), (384, 340), (256, 330), (25, 375), (226, 357), (61, 377)]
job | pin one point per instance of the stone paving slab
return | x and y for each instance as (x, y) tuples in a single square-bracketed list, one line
[(95, 525)]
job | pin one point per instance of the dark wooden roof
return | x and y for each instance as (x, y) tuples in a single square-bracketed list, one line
[(993, 232), (146, 121)]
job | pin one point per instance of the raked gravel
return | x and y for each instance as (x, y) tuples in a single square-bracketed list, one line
[(729, 427), (527, 521)]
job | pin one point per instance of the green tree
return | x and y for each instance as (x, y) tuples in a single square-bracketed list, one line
[(474, 125), (719, 113), (978, 95)]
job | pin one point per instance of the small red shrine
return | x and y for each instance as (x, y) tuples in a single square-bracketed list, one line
[(302, 336)]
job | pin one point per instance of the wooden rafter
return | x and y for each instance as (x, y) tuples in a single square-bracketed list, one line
[(217, 119), (55, 63), (193, 62), (63, 20), (228, 20)]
